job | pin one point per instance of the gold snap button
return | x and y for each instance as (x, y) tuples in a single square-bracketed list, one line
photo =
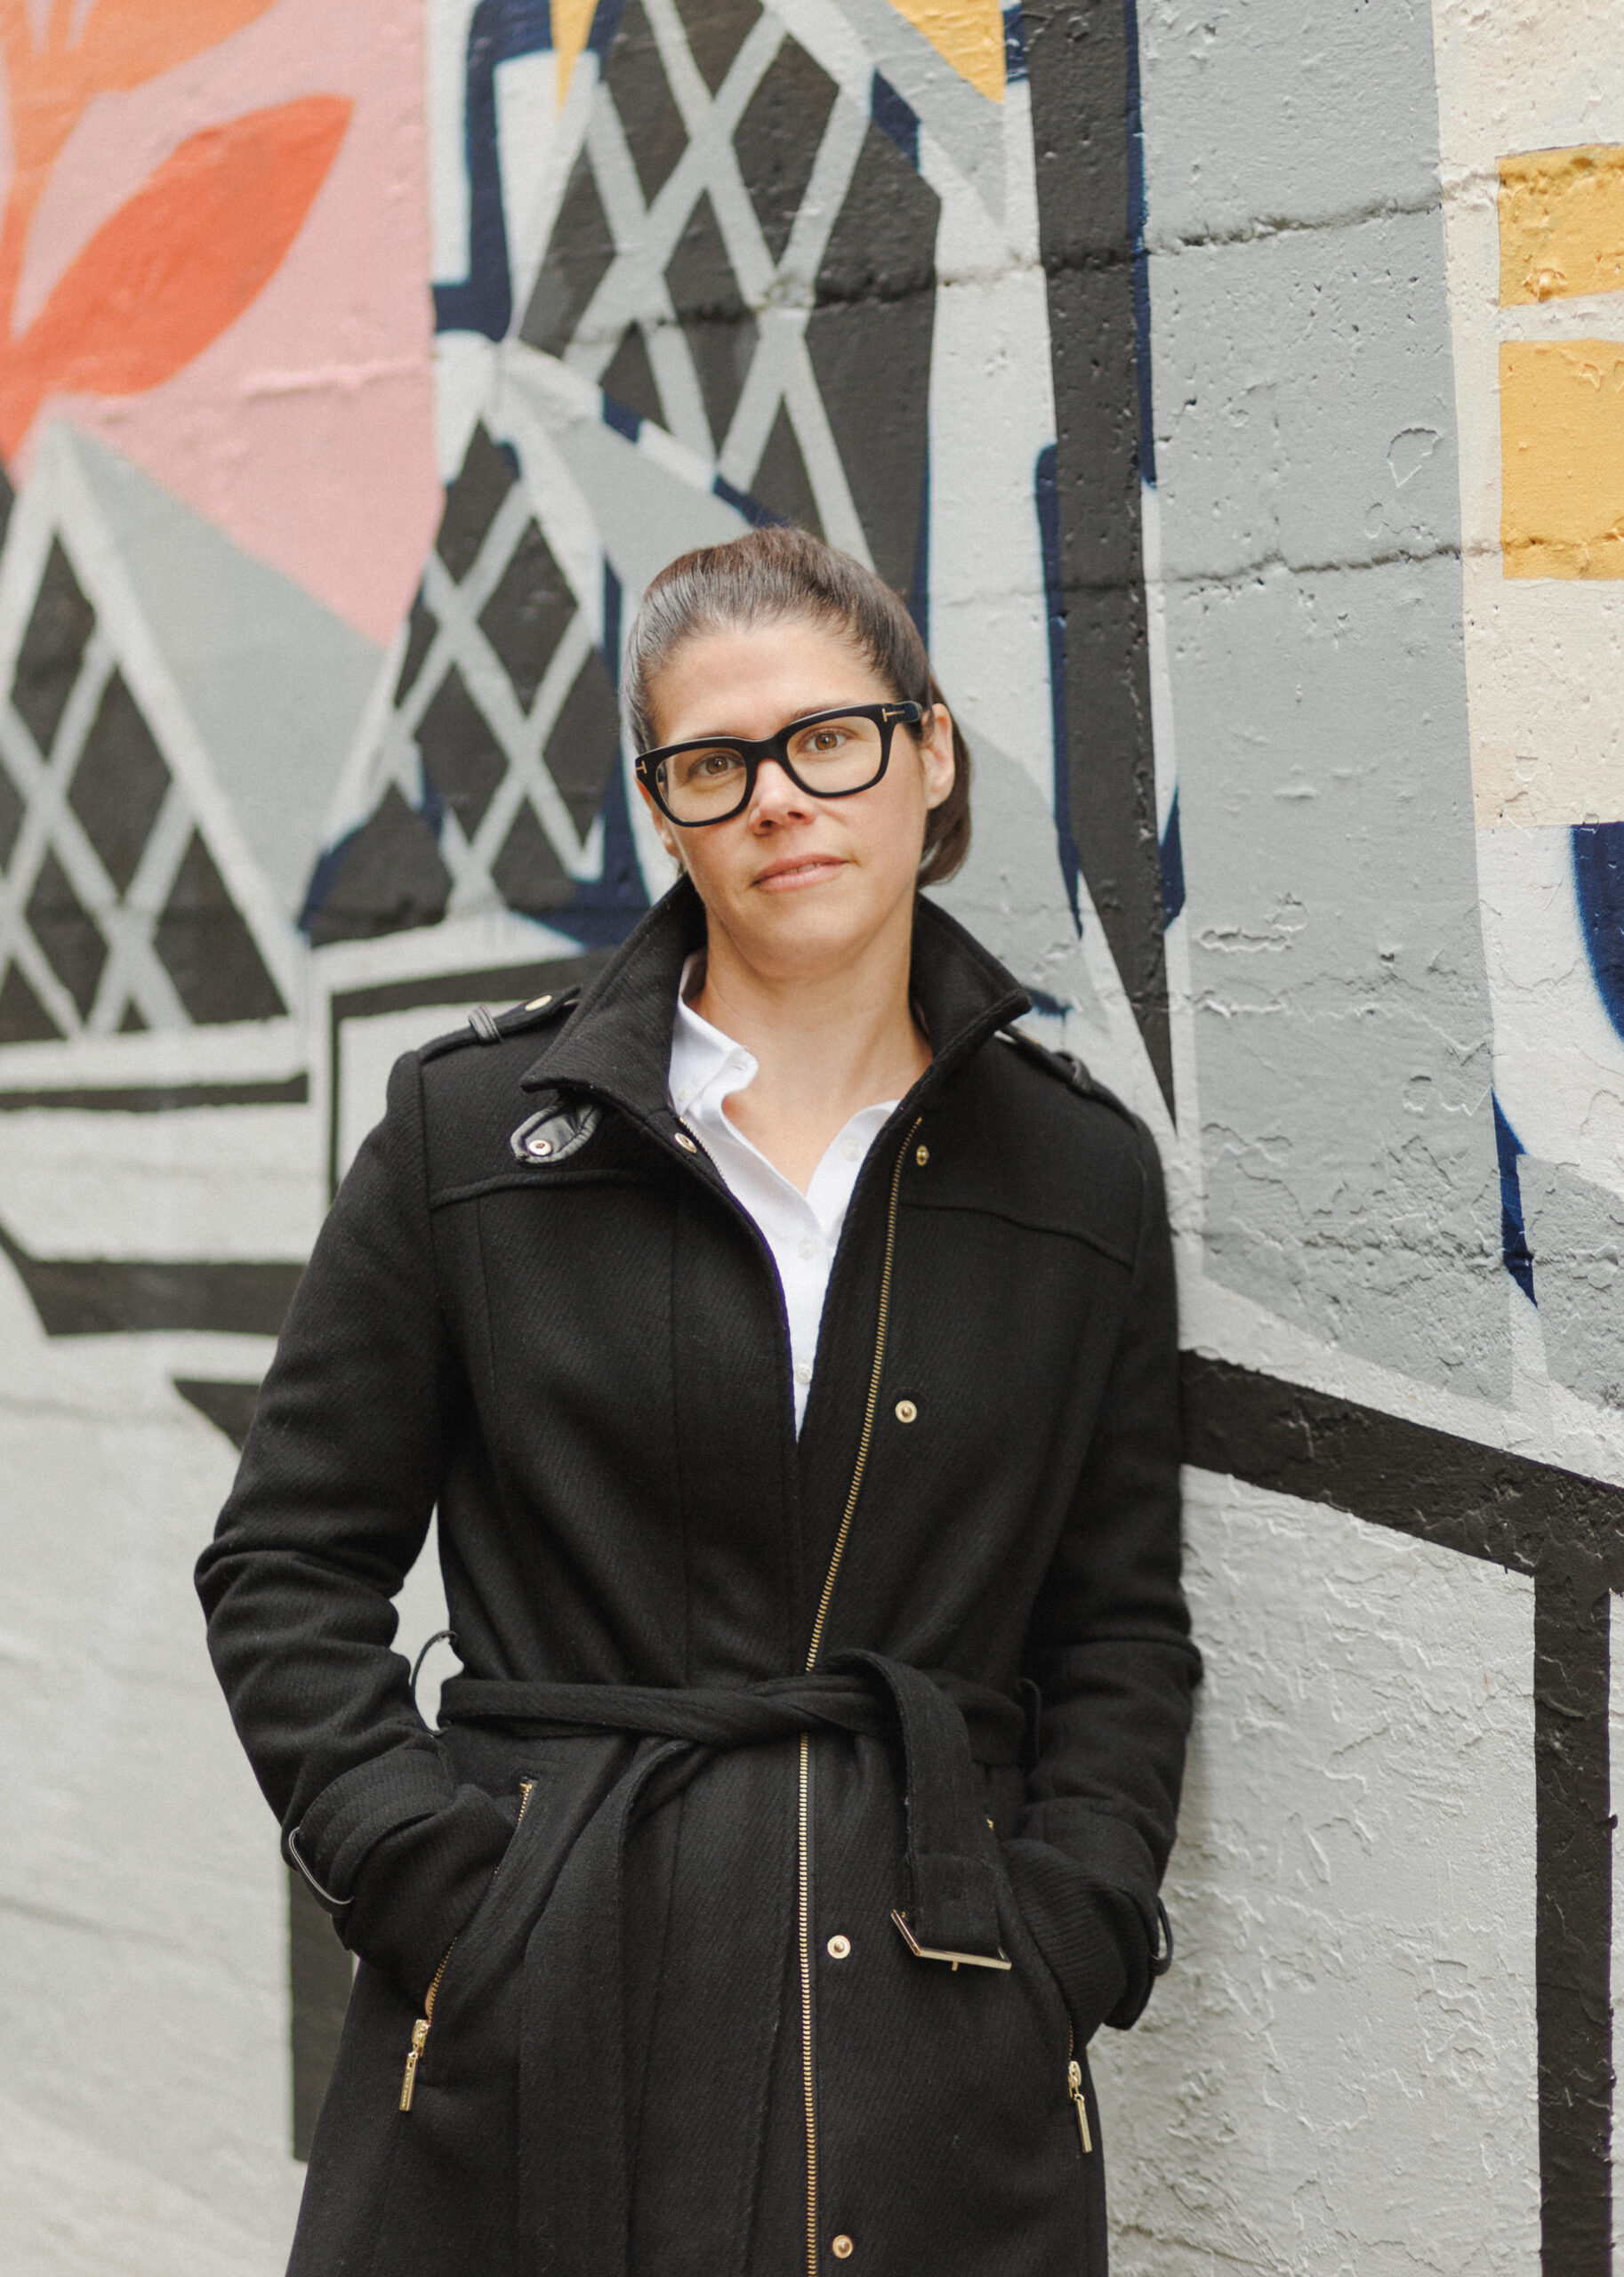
[(840, 1947), (538, 1003), (686, 1143), (842, 2248), (921, 1155), (906, 1412)]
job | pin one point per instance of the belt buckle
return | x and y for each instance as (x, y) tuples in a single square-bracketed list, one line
[(934, 1952)]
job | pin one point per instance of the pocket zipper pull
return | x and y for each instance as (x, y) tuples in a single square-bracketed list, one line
[(419, 2032), (1074, 2075)]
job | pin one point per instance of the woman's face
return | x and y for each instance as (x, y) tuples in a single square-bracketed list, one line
[(798, 883)]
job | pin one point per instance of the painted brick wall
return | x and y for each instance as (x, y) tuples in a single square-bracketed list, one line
[(1237, 396)]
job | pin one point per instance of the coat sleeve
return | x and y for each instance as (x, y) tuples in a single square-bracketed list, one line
[(331, 1506), (1110, 1655)]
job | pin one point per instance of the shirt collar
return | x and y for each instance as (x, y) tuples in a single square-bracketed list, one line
[(705, 1062)]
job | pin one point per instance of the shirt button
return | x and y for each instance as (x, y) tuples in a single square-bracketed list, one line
[(803, 1372), (839, 1948), (906, 1412), (849, 1152), (842, 2249), (809, 1249)]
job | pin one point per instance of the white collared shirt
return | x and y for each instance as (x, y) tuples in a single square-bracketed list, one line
[(801, 1230)]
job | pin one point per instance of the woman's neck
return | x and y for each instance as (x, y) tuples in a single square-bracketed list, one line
[(826, 1044)]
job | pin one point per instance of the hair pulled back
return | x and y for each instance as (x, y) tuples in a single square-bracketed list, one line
[(776, 575)]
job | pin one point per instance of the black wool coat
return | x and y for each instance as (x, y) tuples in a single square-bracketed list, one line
[(801, 1812)]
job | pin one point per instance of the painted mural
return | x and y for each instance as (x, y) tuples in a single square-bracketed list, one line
[(1242, 427)]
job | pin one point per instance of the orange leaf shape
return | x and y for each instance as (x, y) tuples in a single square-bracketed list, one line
[(176, 264), (127, 41)]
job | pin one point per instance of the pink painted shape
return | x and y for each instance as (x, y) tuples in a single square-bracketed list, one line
[(306, 432)]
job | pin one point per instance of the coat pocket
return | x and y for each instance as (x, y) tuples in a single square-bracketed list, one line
[(424, 2025)]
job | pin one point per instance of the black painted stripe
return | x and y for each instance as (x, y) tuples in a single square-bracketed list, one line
[(163, 1098), (229, 1406), (122, 1296), (1082, 65), (1567, 1531), (1435, 1485)]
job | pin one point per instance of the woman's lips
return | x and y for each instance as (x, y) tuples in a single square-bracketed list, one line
[(810, 871)]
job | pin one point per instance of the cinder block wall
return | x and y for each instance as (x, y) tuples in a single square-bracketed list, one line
[(1237, 396)]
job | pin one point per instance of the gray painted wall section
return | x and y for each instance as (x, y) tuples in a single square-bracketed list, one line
[(1310, 543), (1576, 1235)]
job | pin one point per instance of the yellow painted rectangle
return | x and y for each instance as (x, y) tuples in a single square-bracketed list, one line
[(1561, 223), (1561, 458)]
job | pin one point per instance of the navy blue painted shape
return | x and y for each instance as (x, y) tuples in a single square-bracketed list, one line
[(1047, 494), (623, 421), (1514, 1237), (1172, 865), (1014, 43), (759, 517), (1598, 885), (500, 30), (607, 907), (1135, 231), (894, 116)]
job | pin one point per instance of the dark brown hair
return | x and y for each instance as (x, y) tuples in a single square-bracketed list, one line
[(770, 577)]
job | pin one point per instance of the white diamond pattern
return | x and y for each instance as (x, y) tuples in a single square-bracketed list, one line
[(133, 971), (779, 295), (521, 737)]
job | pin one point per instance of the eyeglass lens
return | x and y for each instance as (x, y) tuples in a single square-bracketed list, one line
[(829, 757)]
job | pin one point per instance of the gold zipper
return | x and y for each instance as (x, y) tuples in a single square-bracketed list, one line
[(419, 2030), (1073, 2088), (803, 1854), (803, 1916), (868, 1417)]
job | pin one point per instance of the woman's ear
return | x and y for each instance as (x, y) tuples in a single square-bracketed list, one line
[(936, 751)]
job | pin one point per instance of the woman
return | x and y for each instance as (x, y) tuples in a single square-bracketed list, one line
[(790, 1352)]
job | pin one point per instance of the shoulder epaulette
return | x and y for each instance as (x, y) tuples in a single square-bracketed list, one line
[(1066, 1068), (485, 1026)]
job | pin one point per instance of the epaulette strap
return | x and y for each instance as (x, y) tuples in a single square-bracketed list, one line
[(485, 1026), (539, 1012), (1068, 1069)]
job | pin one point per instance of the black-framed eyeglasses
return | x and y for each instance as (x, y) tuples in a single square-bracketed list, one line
[(829, 754)]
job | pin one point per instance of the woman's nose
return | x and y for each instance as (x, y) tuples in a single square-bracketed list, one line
[(777, 795)]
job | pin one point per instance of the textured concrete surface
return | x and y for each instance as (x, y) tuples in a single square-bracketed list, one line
[(1338, 2074), (1309, 526), (72, 2210)]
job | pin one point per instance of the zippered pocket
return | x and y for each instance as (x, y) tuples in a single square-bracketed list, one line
[(1073, 2088), (422, 2028)]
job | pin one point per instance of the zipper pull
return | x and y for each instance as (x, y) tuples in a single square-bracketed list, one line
[(1074, 2075), (419, 2032)]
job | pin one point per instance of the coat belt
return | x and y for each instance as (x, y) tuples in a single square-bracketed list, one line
[(575, 2163)]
